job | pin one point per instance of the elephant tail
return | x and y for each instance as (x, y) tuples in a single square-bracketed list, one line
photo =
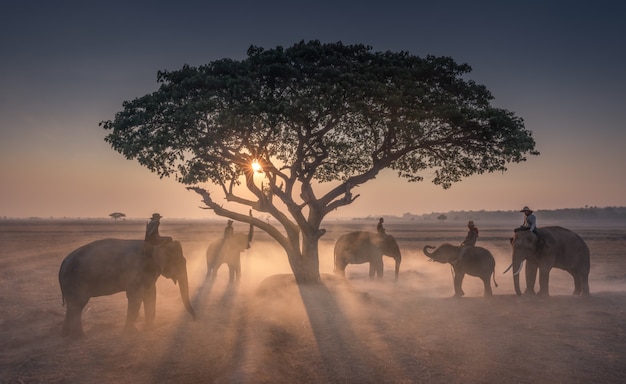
[(494, 276)]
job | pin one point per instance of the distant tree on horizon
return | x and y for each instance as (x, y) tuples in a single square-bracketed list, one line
[(117, 215), (268, 129)]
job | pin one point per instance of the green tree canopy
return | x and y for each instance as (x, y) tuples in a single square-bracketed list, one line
[(315, 113)]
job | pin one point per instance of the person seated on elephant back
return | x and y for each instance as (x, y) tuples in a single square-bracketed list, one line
[(470, 240), (380, 229), (153, 238), (530, 222), (228, 232), (472, 235)]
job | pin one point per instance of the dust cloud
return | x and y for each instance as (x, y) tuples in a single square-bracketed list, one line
[(266, 329)]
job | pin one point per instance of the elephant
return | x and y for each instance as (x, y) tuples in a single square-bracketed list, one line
[(552, 247), (474, 261), (366, 247), (228, 250), (108, 266)]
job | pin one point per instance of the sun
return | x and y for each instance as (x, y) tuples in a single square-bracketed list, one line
[(256, 167)]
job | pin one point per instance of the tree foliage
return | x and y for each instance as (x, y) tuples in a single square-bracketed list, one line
[(315, 113), (117, 215)]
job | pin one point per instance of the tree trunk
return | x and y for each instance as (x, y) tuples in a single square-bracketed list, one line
[(306, 266)]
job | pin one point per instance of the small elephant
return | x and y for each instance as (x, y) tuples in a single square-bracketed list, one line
[(108, 266), (366, 247), (471, 260), (228, 251), (553, 247)]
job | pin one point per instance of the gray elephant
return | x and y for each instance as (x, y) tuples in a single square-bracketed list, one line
[(108, 266), (228, 251), (553, 247), (366, 247), (474, 261)]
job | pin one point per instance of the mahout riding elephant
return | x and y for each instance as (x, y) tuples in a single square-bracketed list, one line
[(108, 266), (553, 247), (474, 261), (366, 247), (228, 251)]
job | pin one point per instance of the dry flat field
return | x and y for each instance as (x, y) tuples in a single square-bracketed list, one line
[(267, 330)]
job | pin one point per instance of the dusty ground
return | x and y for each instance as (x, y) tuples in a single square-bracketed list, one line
[(355, 331)]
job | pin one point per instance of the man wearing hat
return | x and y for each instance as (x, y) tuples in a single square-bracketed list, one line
[(228, 232), (530, 221), (470, 240), (152, 231), (472, 235)]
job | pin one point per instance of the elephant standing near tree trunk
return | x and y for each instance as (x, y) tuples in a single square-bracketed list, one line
[(228, 251), (475, 261), (108, 266), (555, 247), (366, 247)]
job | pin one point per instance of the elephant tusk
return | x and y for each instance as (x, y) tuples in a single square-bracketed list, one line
[(519, 269), (506, 270)]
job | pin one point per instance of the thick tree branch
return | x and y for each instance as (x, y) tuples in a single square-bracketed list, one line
[(220, 211)]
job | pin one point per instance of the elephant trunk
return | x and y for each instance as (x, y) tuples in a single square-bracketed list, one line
[(517, 269), (397, 268), (183, 285), (250, 231), (427, 252)]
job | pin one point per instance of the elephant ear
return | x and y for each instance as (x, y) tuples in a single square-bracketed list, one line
[(542, 243), (162, 256), (159, 255)]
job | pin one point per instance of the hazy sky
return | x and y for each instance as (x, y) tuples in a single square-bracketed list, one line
[(67, 65)]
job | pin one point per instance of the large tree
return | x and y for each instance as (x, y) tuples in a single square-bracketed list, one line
[(310, 114)]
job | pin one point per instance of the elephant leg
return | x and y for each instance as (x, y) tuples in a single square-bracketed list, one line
[(584, 282), (376, 269), (238, 271), (577, 281), (531, 277), (340, 267), (72, 324), (581, 282), (458, 282), (487, 283), (134, 302), (231, 273), (544, 280), (210, 269), (149, 306)]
